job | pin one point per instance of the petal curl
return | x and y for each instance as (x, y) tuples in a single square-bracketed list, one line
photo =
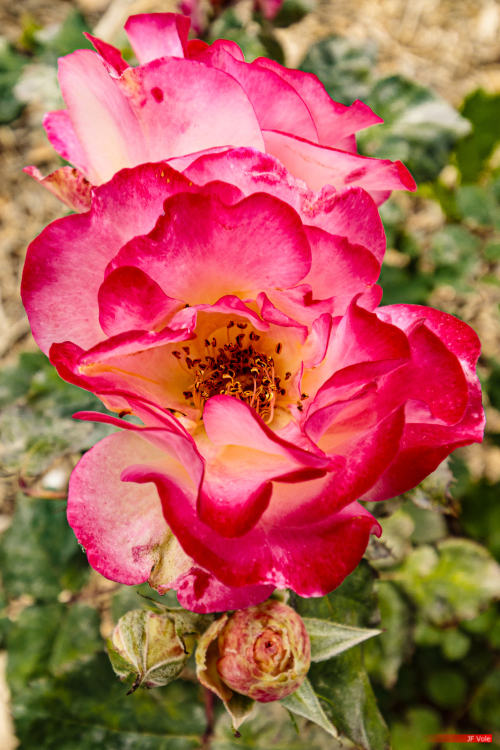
[(129, 299), (154, 35), (321, 165)]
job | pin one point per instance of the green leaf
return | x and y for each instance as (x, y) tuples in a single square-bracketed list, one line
[(451, 582), (253, 41), (35, 420), (483, 111), (484, 525), (384, 655), (477, 206), (454, 644), (38, 627), (420, 128), (412, 735), (484, 707), (87, 708), (292, 11), (271, 728), (341, 684), (304, 702), (434, 492), (455, 249), (331, 638), (39, 554), (11, 65), (343, 66), (447, 688), (59, 636), (77, 638), (65, 39)]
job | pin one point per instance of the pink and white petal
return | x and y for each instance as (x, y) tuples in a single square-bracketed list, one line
[(167, 96), (339, 268), (229, 421), (197, 48), (444, 355), (165, 433), (359, 338), (320, 165), (131, 300), (93, 96), (119, 524), (434, 375), (315, 562), (237, 488), (67, 184), (73, 253), (271, 314), (312, 559), (109, 54), (252, 171), (457, 336), (200, 591), (134, 361), (351, 213), (368, 444), (227, 305), (298, 303), (275, 102), (335, 122), (199, 232), (154, 35), (231, 502), (61, 134), (316, 346), (424, 446)]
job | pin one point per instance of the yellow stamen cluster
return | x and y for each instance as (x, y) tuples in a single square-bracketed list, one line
[(235, 368)]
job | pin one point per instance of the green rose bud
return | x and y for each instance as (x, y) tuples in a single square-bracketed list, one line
[(262, 652), (147, 645)]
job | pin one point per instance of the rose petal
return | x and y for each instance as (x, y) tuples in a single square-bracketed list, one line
[(119, 524), (276, 103), (185, 256), (72, 253), (167, 96), (320, 165), (155, 35), (129, 299), (67, 184)]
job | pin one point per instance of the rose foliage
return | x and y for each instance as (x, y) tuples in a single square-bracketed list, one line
[(221, 289)]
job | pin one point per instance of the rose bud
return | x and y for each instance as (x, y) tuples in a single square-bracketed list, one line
[(262, 652), (146, 644)]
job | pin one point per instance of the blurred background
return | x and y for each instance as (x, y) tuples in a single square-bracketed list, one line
[(431, 69)]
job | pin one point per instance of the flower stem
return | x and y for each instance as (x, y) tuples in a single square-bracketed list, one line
[(208, 700)]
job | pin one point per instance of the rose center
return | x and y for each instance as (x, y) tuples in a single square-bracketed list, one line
[(269, 652), (236, 368)]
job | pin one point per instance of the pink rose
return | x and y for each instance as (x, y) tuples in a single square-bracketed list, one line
[(186, 98), (234, 311)]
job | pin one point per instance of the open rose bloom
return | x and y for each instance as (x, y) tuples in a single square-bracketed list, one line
[(222, 290)]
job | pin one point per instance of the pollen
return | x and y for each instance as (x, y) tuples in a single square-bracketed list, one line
[(235, 369)]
